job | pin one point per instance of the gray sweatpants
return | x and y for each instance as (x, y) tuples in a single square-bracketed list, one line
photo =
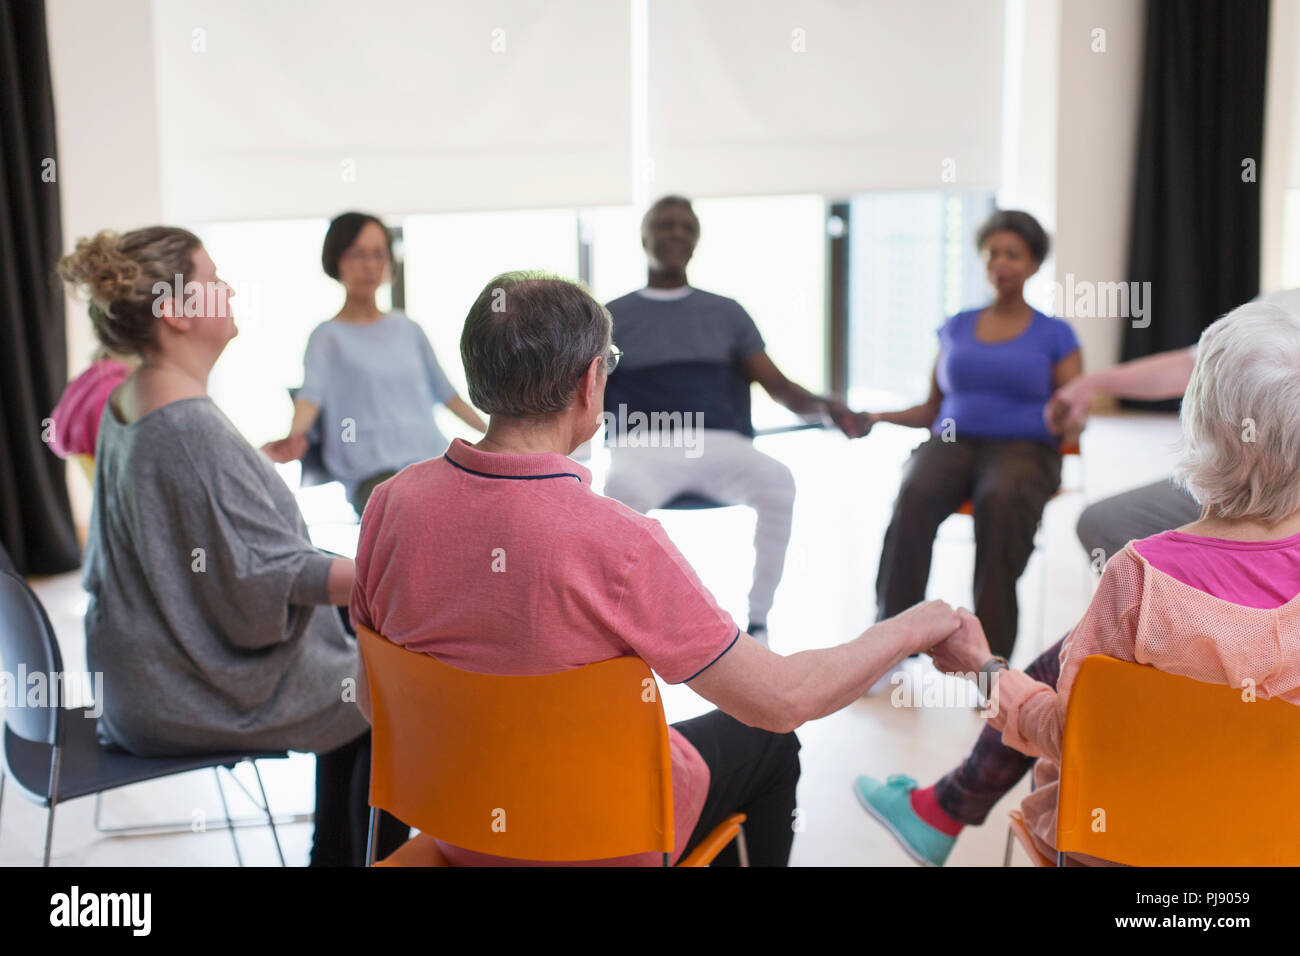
[(1111, 523)]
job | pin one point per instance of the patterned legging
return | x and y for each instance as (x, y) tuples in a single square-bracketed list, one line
[(991, 769)]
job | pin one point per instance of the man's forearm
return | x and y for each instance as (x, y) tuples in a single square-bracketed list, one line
[(798, 399), (820, 682), (1155, 377)]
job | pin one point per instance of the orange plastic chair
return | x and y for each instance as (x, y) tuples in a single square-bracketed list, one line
[(1162, 770), (87, 463), (968, 507), (559, 767)]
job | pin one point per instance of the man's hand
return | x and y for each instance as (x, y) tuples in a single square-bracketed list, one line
[(286, 449), (844, 417), (965, 650), (929, 623)]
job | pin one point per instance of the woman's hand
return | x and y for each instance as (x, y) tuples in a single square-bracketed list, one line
[(286, 449), (1067, 409), (863, 422), (965, 650)]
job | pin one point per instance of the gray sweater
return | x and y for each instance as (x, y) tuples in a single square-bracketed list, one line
[(208, 612)]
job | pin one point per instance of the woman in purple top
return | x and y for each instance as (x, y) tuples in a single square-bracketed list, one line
[(989, 443)]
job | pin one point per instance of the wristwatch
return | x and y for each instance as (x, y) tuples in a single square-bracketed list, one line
[(991, 667)]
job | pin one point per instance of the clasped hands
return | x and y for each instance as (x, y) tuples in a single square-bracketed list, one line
[(852, 424), (953, 637)]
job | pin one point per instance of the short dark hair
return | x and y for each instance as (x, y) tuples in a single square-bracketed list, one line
[(1022, 224), (670, 200), (527, 341), (342, 232)]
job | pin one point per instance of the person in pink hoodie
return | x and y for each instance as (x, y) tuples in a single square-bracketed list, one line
[(76, 418), (1216, 600)]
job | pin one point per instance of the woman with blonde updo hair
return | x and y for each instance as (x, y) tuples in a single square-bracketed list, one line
[(210, 615)]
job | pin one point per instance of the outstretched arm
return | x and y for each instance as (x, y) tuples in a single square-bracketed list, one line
[(918, 416), (760, 368), (1153, 378), (294, 445), (465, 412)]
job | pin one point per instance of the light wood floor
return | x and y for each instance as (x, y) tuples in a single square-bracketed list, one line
[(845, 492)]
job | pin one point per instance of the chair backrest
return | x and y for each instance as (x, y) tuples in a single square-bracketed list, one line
[(28, 649), (1162, 770), (567, 766), (314, 471)]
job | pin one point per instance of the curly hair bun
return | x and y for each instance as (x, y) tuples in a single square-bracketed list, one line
[(117, 273)]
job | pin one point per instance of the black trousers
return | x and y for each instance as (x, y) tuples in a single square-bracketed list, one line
[(343, 809), (753, 772), (1008, 483)]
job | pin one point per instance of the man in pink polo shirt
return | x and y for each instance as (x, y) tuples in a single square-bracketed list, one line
[(499, 558)]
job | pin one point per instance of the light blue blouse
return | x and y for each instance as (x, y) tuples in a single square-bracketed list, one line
[(376, 384)]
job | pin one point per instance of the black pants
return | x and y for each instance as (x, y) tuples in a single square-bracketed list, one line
[(366, 489), (1008, 483), (753, 772), (343, 809)]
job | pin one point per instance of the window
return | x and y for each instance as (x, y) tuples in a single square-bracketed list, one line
[(913, 263), (768, 253), (281, 294)]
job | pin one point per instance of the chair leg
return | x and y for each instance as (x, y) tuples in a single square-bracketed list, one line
[(1011, 842), (370, 836), (266, 805), (49, 835), (742, 848), (239, 858), (1040, 638)]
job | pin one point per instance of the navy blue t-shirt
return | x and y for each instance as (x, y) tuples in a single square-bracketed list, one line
[(683, 355), (999, 389)]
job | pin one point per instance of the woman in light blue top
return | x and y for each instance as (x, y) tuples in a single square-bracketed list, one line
[(370, 377)]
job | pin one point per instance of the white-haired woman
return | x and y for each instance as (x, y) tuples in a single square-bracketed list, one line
[(1217, 600)]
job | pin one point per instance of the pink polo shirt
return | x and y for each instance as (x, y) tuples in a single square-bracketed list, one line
[(586, 579)]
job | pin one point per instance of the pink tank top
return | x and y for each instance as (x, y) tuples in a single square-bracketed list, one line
[(1259, 574)]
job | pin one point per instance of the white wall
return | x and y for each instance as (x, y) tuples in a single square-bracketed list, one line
[(101, 61), (1279, 170), (1098, 111)]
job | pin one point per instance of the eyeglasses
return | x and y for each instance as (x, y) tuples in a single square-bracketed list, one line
[(612, 358), (359, 255)]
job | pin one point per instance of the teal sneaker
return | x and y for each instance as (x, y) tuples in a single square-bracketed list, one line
[(891, 804)]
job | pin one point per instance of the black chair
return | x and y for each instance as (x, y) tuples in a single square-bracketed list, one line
[(52, 754), (314, 471)]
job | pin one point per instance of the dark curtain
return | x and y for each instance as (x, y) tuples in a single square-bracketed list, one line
[(35, 518), (1195, 230)]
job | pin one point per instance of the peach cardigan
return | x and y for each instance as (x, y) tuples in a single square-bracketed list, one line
[(1142, 614)]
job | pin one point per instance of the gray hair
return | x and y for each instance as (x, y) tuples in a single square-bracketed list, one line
[(528, 339), (1241, 416)]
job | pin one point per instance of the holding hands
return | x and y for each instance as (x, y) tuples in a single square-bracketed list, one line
[(965, 650)]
